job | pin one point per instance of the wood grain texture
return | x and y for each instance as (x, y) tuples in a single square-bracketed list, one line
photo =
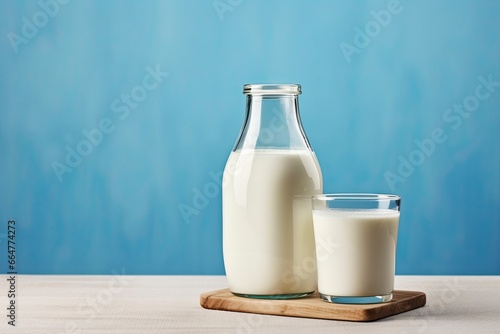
[(313, 307)]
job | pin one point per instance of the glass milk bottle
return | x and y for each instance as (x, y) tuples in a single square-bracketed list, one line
[(268, 241)]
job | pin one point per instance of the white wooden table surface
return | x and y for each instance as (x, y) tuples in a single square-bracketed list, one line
[(170, 304)]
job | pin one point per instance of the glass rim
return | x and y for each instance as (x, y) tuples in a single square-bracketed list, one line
[(272, 89), (356, 197)]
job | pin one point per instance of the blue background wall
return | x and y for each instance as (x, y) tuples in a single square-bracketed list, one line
[(120, 207)]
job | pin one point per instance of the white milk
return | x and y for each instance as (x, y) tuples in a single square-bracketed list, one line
[(360, 251), (266, 250)]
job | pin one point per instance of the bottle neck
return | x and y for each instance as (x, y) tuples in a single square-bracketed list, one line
[(272, 122)]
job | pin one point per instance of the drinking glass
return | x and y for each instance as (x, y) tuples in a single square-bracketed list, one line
[(355, 238)]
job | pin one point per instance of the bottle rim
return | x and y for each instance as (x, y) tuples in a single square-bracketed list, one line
[(272, 89)]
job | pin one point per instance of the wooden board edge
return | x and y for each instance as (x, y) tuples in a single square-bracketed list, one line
[(205, 296), (413, 300)]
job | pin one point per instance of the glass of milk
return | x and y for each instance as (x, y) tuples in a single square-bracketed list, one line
[(356, 237)]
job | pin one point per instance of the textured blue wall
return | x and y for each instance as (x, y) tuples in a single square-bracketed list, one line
[(162, 82)]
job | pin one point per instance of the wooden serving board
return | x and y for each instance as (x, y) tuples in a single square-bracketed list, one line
[(313, 307)]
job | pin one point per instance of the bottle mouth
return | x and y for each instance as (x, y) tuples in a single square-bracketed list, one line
[(272, 89)]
